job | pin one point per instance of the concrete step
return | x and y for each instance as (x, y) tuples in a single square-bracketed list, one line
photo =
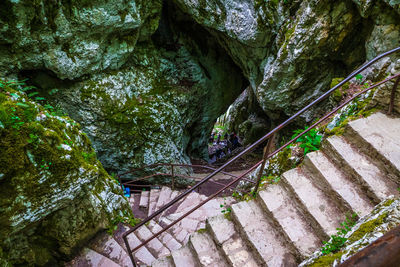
[(144, 199), (282, 210), (91, 258), (107, 246), (361, 169), (174, 194), (154, 246), (131, 200), (164, 198), (261, 235), (163, 262), (154, 194), (184, 257), (335, 183), (204, 248), (142, 255), (319, 208), (166, 238), (230, 242), (378, 137)]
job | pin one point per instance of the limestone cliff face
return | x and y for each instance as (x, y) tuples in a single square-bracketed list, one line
[(72, 38), (128, 50), (290, 50), (145, 81), (54, 193)]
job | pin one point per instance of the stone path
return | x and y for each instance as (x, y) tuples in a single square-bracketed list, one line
[(288, 221), (108, 250)]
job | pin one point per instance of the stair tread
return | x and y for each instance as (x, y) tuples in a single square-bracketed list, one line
[(339, 182), (183, 257), (370, 174), (229, 240), (261, 235), (144, 199), (92, 258), (142, 254), (163, 262), (154, 194), (279, 203), (382, 133), (206, 251), (155, 246), (166, 238), (110, 248), (164, 197), (323, 210)]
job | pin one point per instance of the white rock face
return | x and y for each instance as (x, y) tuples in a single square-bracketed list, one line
[(75, 39)]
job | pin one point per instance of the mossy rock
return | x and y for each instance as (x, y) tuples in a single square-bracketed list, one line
[(54, 193)]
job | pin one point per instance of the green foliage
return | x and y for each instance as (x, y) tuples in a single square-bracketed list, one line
[(126, 218), (359, 77), (270, 179), (310, 141), (337, 241), (225, 208)]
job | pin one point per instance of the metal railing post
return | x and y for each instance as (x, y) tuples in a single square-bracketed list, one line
[(173, 176), (392, 96), (128, 249), (267, 148)]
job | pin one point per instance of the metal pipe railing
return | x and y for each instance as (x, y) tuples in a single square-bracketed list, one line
[(253, 146)]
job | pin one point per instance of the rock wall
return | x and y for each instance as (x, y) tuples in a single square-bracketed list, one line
[(54, 193), (291, 50), (106, 53), (141, 95)]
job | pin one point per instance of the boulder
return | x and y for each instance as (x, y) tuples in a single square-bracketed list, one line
[(54, 193)]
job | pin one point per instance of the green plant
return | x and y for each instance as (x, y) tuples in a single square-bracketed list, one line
[(310, 141), (337, 241), (126, 218), (44, 165), (359, 77), (226, 209)]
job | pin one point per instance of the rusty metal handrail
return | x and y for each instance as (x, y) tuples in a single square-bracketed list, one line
[(250, 148)]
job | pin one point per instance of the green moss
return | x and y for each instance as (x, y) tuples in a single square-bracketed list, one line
[(388, 202), (336, 81), (326, 260), (202, 231), (367, 227)]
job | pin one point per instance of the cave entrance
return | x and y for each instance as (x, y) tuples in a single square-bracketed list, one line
[(243, 123)]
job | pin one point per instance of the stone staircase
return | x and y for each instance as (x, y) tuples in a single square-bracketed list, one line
[(288, 221), (106, 250)]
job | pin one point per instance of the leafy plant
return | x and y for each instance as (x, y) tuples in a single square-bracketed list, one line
[(310, 141), (359, 77), (126, 218), (226, 209), (337, 241), (45, 165)]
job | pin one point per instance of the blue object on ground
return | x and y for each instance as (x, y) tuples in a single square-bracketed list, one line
[(127, 192)]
